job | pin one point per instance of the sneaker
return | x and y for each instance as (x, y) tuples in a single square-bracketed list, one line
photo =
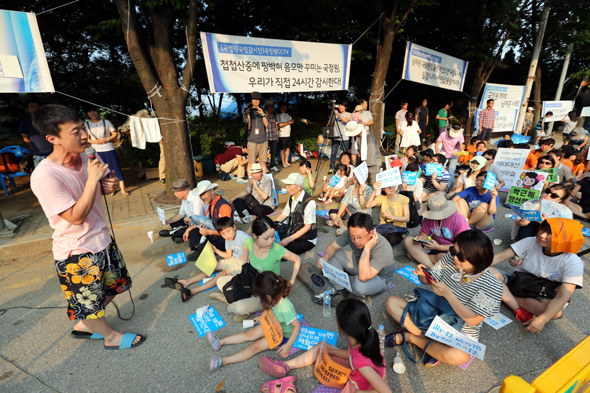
[(237, 219), (178, 240), (163, 181), (331, 171), (431, 362), (523, 315), (274, 168), (241, 181)]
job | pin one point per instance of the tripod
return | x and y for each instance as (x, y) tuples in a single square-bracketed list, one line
[(331, 120)]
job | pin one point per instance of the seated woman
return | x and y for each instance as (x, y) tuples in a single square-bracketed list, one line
[(461, 277), (308, 180), (555, 192), (395, 212), (257, 199), (478, 205), (354, 200), (442, 223), (545, 162), (467, 178), (337, 184), (409, 157), (548, 272), (582, 208)]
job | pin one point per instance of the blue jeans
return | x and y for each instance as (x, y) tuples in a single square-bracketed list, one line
[(452, 162), (335, 148)]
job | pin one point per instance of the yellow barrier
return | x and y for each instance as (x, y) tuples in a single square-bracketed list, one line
[(198, 169), (570, 374)]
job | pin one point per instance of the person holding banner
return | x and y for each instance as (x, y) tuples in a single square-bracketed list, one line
[(395, 212), (540, 127), (354, 200), (463, 278), (256, 122), (478, 205), (344, 159), (272, 290), (487, 119), (434, 183), (548, 272), (467, 178), (363, 354)]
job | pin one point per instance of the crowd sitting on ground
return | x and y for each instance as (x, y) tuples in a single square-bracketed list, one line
[(453, 254)]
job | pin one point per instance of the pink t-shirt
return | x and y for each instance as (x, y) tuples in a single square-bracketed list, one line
[(445, 231), (58, 188), (450, 144), (358, 361)]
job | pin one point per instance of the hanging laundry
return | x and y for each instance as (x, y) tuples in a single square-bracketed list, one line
[(151, 128), (137, 133)]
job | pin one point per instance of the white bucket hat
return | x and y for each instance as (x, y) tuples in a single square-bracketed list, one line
[(439, 208), (204, 186), (353, 128)]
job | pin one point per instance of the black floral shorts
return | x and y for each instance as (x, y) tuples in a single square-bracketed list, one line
[(88, 279)]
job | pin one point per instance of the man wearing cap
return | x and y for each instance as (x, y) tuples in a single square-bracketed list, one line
[(216, 207), (370, 264), (257, 199), (256, 124), (441, 225), (190, 204), (272, 133), (487, 119), (300, 215), (341, 140), (452, 142)]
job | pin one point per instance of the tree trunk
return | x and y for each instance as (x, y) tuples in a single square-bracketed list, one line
[(476, 86), (538, 101)]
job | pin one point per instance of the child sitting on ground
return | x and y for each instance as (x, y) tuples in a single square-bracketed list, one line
[(231, 264), (272, 290), (339, 180)]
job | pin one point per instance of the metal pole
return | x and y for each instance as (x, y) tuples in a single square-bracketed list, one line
[(533, 67), (566, 64)]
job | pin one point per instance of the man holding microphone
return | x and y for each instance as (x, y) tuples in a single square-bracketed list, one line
[(69, 185)]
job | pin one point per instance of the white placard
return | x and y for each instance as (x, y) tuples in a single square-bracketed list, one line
[(442, 332), (498, 321), (504, 96), (389, 178), (560, 109), (336, 275), (361, 172), (433, 68), (505, 119), (161, 215), (508, 165), (245, 64), (585, 111)]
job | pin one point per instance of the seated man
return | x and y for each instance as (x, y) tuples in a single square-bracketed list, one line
[(548, 272), (370, 265), (300, 214), (478, 205), (217, 207), (257, 199), (190, 204), (442, 223), (234, 162)]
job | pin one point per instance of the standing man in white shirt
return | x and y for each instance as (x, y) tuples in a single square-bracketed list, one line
[(285, 120)]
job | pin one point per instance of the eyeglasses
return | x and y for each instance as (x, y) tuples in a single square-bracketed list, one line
[(545, 162), (359, 238), (552, 194), (457, 254)]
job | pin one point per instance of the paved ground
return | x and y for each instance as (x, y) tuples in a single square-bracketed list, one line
[(37, 354)]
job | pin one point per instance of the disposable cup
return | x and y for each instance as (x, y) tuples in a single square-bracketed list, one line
[(151, 236), (247, 323)]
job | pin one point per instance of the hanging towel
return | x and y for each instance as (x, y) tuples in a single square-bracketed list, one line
[(151, 127), (137, 133)]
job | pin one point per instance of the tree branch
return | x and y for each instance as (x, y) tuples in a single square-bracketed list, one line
[(191, 49), (401, 22)]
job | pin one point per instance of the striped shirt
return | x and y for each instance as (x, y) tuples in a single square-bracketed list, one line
[(444, 179), (487, 117), (483, 295)]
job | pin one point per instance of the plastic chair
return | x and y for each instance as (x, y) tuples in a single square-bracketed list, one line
[(18, 151), (386, 138), (11, 176)]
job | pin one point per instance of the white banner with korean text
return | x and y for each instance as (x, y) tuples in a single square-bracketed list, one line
[(433, 68), (504, 96), (505, 119), (559, 108), (244, 64)]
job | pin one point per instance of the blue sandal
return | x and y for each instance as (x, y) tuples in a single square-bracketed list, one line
[(127, 342)]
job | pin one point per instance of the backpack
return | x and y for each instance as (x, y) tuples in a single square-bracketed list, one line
[(415, 218), (240, 286), (8, 163)]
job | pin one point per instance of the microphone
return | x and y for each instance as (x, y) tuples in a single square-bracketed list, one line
[(91, 153)]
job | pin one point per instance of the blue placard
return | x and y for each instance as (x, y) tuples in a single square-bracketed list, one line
[(334, 180), (490, 182), (323, 213), (209, 322), (309, 337), (431, 169), (409, 177), (176, 259), (586, 231), (518, 139), (408, 273), (531, 215)]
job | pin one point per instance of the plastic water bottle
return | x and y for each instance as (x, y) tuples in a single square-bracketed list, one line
[(381, 333), (327, 305), (398, 364)]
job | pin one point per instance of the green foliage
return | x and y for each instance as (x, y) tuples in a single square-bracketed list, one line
[(307, 134), (138, 158), (208, 136)]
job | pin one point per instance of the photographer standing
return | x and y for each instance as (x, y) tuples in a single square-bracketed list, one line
[(256, 123), (341, 140)]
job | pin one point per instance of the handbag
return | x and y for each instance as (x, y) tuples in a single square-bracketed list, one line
[(422, 312), (385, 229), (283, 229), (251, 202), (527, 285), (240, 286)]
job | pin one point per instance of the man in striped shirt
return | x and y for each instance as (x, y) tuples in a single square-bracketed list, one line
[(487, 118)]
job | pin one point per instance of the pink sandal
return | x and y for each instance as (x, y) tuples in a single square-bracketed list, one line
[(284, 385), (214, 341), (275, 368)]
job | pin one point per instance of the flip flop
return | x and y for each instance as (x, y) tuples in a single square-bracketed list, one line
[(274, 368), (80, 335), (284, 385), (391, 338), (185, 294), (127, 342), (215, 363), (172, 282), (214, 341)]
